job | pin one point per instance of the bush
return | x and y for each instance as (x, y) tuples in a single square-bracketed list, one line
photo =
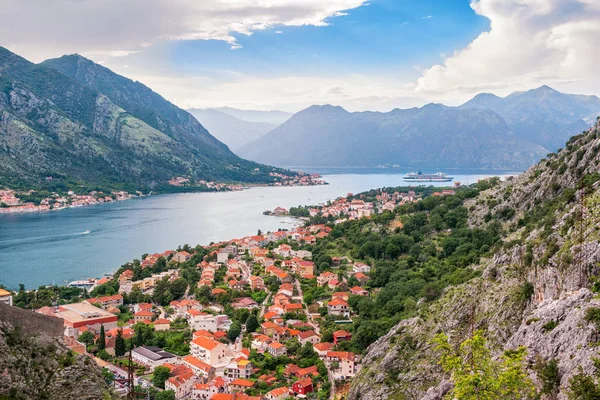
[(550, 325), (525, 292), (549, 375)]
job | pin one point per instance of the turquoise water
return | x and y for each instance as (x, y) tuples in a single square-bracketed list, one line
[(53, 247)]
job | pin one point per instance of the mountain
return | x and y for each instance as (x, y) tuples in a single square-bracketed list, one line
[(274, 117), (433, 136), (82, 124), (486, 132), (232, 131), (543, 116)]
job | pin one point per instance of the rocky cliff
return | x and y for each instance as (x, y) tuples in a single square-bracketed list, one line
[(36, 364), (534, 291)]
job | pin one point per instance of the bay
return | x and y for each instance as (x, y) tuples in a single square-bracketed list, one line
[(53, 247)]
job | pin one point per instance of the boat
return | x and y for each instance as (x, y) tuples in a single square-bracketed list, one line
[(86, 232), (421, 177)]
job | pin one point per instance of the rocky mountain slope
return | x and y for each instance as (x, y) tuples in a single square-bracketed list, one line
[(487, 132), (37, 366), (82, 124), (535, 290), (232, 131), (431, 137)]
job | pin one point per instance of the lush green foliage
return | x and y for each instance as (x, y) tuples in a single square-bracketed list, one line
[(476, 376)]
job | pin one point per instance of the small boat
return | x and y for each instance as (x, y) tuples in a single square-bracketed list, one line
[(86, 232)]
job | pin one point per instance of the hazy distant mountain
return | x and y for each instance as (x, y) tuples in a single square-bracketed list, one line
[(82, 124), (543, 115), (486, 132), (433, 136), (232, 131), (270, 117)]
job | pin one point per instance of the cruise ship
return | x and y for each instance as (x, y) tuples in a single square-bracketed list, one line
[(421, 177)]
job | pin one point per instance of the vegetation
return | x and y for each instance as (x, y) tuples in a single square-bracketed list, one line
[(476, 376), (160, 376), (583, 386)]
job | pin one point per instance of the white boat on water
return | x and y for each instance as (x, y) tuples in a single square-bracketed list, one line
[(421, 177)]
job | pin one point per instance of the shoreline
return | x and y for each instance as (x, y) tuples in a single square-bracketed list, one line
[(31, 208)]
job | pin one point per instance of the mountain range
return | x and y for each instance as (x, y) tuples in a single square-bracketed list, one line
[(236, 127), (82, 124), (487, 132)]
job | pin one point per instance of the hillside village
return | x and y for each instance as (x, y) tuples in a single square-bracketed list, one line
[(263, 321), (32, 201)]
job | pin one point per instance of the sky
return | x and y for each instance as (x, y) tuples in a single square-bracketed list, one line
[(290, 54)]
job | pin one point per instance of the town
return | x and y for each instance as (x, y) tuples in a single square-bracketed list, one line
[(262, 321), (15, 202), (299, 179)]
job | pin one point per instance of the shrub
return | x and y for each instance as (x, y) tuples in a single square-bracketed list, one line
[(549, 375), (550, 325)]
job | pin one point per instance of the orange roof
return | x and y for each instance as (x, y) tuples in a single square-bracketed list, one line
[(323, 346), (276, 345), (268, 325), (203, 332), (220, 334), (197, 363), (242, 382), (219, 291), (337, 302), (143, 314), (205, 342), (279, 391), (162, 321)]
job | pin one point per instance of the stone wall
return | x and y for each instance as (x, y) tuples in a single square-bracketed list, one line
[(31, 322)]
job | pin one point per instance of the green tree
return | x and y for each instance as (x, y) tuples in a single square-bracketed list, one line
[(120, 344), (477, 377), (87, 338), (252, 323), (101, 339), (103, 355), (178, 288), (165, 395), (583, 386), (161, 374), (108, 376), (234, 331)]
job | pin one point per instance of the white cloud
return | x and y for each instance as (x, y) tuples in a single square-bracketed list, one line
[(289, 93), (428, 17), (38, 29), (530, 43)]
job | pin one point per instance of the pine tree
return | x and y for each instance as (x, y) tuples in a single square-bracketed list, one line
[(120, 344), (102, 339)]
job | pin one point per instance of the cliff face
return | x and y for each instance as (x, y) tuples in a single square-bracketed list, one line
[(541, 275), (38, 366)]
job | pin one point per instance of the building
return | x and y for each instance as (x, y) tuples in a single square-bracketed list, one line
[(256, 283), (278, 394), (84, 316), (346, 363), (182, 383), (338, 307), (181, 256), (303, 386), (341, 336), (323, 348), (143, 316), (361, 267), (208, 350), (107, 301), (324, 278), (199, 367), (239, 369), (308, 337), (208, 322), (276, 349), (162, 325), (6, 297), (206, 391), (152, 356), (240, 385)]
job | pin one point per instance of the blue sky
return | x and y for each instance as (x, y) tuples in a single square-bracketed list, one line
[(290, 54)]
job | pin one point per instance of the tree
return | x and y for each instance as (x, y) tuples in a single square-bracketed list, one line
[(103, 355), (252, 323), (161, 374), (101, 339), (234, 331), (165, 395), (87, 338), (108, 376), (178, 288), (477, 376), (583, 386), (120, 344)]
